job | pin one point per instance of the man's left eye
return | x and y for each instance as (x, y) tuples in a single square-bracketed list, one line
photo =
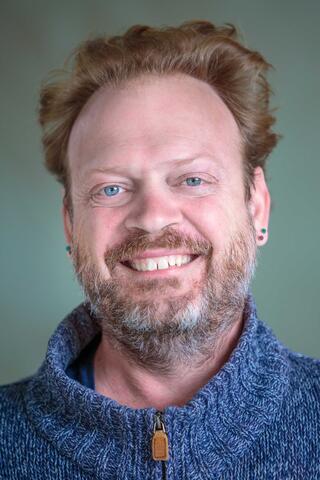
[(112, 190), (193, 181)]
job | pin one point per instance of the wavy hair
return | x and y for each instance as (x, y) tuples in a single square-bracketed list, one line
[(196, 48)]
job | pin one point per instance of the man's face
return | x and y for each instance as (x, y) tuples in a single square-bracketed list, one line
[(161, 232)]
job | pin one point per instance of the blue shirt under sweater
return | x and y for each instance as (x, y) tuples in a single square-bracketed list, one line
[(82, 369), (258, 418)]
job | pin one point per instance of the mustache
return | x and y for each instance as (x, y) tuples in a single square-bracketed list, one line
[(140, 241)]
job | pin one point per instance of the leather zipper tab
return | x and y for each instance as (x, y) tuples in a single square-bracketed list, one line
[(160, 443)]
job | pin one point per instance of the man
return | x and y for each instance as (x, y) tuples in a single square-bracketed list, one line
[(160, 138)]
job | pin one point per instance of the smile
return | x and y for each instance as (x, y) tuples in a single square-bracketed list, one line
[(159, 263)]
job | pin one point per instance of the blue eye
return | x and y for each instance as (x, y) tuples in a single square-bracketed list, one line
[(193, 181), (111, 190)]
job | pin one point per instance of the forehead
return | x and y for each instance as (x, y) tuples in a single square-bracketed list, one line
[(153, 119)]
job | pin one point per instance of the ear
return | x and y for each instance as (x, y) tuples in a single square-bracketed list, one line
[(259, 205), (67, 222)]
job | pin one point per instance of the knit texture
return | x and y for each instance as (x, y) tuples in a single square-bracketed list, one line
[(257, 418)]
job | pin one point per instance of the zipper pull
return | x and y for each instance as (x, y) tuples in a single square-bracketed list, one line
[(160, 443)]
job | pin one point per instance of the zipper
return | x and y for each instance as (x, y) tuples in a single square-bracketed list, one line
[(160, 443)]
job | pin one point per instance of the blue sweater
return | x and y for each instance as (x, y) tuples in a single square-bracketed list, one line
[(257, 418)]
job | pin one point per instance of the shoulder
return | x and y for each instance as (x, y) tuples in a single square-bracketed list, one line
[(303, 392), (11, 394), (12, 411), (16, 432), (304, 369)]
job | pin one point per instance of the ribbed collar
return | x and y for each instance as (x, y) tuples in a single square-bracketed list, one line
[(217, 426)]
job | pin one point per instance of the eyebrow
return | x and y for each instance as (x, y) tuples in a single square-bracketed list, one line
[(115, 168)]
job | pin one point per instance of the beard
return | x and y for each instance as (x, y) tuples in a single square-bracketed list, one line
[(149, 321)]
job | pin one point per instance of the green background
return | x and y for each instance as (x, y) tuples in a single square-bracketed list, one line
[(37, 283)]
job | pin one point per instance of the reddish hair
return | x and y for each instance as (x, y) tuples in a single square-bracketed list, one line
[(197, 48)]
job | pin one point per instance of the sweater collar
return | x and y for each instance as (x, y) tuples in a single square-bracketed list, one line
[(226, 416)]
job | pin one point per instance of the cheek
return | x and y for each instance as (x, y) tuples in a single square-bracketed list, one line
[(212, 219), (99, 229)]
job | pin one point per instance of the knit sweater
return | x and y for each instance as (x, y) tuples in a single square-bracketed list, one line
[(257, 418)]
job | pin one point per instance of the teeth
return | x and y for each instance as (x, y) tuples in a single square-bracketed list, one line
[(151, 265), (172, 261), (160, 263)]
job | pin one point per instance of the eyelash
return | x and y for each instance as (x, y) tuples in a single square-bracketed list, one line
[(116, 185)]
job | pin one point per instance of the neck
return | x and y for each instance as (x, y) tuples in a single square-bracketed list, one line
[(120, 379)]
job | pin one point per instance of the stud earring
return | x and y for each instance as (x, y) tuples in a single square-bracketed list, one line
[(68, 248), (263, 230)]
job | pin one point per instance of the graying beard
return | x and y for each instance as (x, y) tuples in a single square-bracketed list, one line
[(193, 331)]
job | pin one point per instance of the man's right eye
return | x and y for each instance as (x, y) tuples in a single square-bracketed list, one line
[(112, 195), (112, 190)]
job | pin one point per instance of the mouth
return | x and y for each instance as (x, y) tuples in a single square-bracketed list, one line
[(152, 264)]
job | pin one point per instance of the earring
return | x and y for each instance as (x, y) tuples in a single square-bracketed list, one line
[(263, 230), (68, 248)]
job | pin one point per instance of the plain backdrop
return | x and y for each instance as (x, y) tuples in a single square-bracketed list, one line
[(37, 284)]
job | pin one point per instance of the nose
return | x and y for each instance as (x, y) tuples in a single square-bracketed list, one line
[(154, 210)]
